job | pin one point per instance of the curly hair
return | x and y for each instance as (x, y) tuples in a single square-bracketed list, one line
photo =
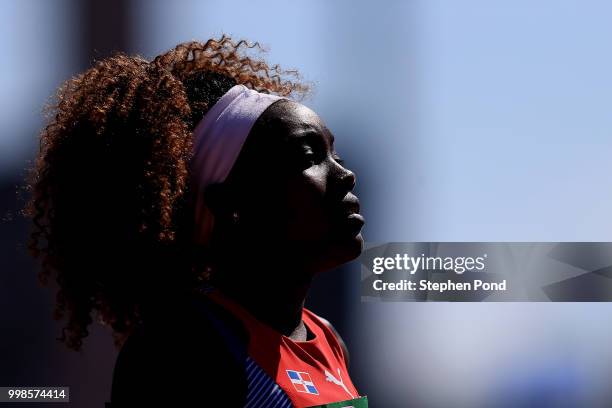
[(110, 198)]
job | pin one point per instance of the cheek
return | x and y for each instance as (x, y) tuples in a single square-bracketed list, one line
[(308, 217)]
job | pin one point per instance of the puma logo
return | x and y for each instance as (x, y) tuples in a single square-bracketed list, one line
[(330, 377)]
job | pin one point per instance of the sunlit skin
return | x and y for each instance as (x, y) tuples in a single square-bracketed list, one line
[(285, 213)]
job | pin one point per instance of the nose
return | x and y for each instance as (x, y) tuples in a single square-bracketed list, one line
[(347, 179)]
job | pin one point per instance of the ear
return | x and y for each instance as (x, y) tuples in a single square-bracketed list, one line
[(219, 199)]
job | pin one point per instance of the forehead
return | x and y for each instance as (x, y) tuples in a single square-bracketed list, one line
[(293, 120), (295, 114)]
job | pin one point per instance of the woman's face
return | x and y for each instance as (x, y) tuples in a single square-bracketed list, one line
[(292, 192)]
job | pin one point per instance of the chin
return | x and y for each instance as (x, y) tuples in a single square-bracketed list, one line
[(329, 252), (352, 247), (342, 251)]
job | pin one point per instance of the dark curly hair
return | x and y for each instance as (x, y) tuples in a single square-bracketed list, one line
[(110, 198)]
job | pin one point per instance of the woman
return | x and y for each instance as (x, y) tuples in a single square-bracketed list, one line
[(187, 203)]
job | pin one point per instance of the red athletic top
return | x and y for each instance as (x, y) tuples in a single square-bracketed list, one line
[(311, 372)]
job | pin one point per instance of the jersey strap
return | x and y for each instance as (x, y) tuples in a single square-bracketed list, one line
[(262, 391)]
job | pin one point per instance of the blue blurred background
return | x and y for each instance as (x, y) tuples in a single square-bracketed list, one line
[(464, 120)]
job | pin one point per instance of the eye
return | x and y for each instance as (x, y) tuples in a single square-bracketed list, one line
[(338, 159), (308, 157)]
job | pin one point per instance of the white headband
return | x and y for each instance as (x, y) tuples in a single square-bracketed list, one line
[(217, 141)]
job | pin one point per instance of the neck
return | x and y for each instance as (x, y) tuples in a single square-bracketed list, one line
[(276, 299)]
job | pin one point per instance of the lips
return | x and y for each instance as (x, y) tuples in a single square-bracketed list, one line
[(350, 205), (356, 218), (351, 220)]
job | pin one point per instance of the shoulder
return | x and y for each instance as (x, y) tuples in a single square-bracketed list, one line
[(182, 355), (336, 334)]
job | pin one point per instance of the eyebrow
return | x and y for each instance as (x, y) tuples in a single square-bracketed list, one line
[(309, 133)]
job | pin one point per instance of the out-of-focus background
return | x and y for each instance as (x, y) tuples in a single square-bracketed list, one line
[(464, 120)]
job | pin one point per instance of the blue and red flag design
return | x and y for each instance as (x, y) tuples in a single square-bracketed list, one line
[(302, 382)]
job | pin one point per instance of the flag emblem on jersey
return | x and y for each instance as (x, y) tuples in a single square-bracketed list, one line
[(302, 382)]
